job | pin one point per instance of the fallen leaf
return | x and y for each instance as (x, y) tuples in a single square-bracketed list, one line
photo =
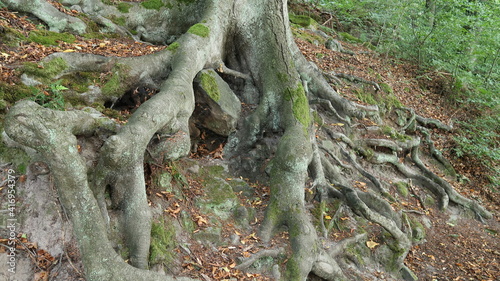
[(371, 244)]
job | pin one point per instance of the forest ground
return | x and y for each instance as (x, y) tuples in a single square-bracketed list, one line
[(455, 247)]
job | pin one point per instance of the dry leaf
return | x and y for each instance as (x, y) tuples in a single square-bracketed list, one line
[(371, 244)]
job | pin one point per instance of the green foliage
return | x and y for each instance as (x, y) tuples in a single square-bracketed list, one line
[(163, 243), (153, 4), (52, 97), (200, 30), (48, 38), (480, 139)]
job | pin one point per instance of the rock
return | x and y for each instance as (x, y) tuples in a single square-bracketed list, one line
[(29, 81), (219, 108), (333, 45)]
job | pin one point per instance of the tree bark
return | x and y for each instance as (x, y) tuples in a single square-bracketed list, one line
[(252, 41)]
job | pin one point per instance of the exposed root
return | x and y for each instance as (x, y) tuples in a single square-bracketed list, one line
[(353, 78), (454, 196), (263, 253)]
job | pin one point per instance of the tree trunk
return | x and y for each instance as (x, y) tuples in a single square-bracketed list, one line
[(253, 43)]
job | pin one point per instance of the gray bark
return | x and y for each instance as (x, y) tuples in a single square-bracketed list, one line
[(265, 57)]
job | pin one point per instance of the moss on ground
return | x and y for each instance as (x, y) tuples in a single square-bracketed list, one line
[(153, 4), (200, 30), (121, 21), (350, 38), (124, 7), (118, 83), (45, 70), (402, 188), (80, 81), (302, 20), (12, 93), (163, 243), (307, 36), (209, 84), (48, 38)]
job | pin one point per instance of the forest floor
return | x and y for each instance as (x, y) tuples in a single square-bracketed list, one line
[(456, 246)]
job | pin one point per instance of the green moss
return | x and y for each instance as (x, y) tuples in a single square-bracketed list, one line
[(393, 134), (300, 104), (118, 83), (302, 20), (307, 36), (317, 119), (153, 4), (123, 7), (13, 93), (46, 70), (163, 243), (115, 114), (11, 37), (19, 159), (121, 21), (80, 81), (386, 88), (365, 97), (199, 29), (48, 38), (402, 188), (348, 37), (174, 46), (209, 84)]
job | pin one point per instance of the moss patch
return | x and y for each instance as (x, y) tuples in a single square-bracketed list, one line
[(118, 83), (209, 84), (350, 38), (153, 4), (121, 21), (174, 46), (163, 243), (307, 36), (12, 93), (124, 7), (302, 20), (45, 70), (393, 134), (300, 105), (199, 29), (402, 188), (80, 81), (48, 38)]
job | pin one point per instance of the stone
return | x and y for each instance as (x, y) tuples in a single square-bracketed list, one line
[(218, 108)]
